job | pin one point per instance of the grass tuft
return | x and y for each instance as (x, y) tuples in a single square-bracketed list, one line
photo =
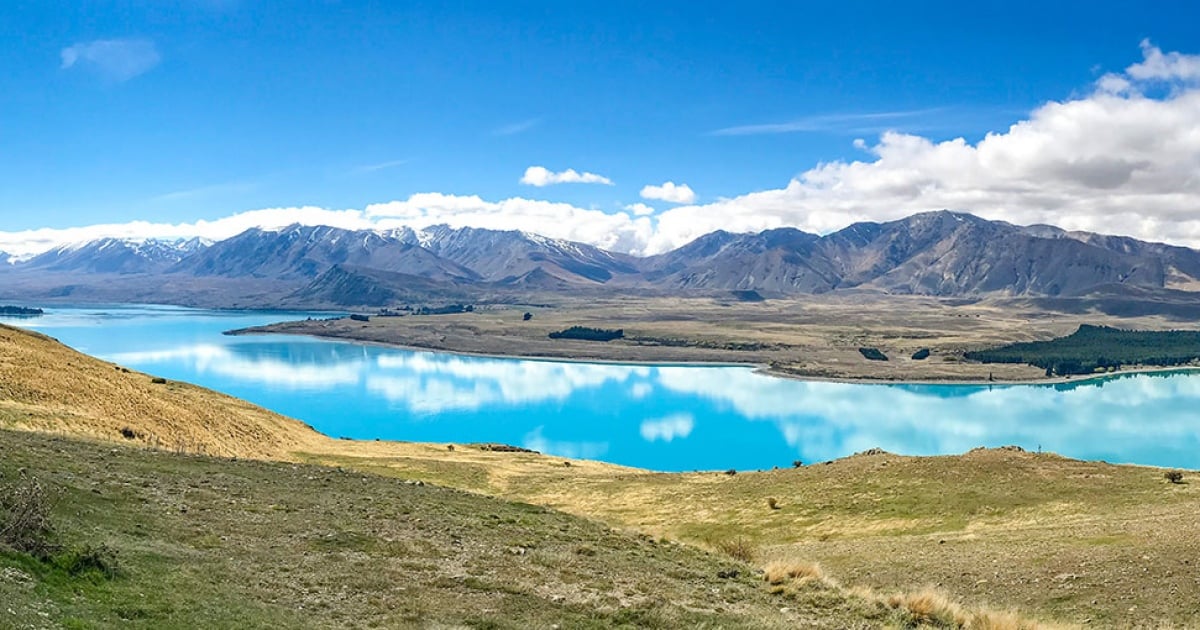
[(737, 548), (929, 608), (780, 572)]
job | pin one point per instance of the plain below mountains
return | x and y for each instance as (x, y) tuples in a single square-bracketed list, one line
[(945, 254)]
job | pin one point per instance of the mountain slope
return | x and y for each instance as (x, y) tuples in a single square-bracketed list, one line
[(777, 261), (351, 286), (936, 253)]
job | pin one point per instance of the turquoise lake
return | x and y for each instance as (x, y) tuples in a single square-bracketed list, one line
[(664, 417)]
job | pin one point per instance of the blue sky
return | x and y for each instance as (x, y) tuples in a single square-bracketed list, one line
[(184, 111)]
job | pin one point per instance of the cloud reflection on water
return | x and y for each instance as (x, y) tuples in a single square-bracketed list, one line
[(1145, 419)]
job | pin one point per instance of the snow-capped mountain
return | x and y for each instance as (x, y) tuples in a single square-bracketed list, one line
[(115, 255)]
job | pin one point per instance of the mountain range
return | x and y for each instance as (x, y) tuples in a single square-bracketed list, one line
[(947, 254)]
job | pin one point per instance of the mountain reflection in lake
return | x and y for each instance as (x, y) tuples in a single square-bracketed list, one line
[(658, 417)]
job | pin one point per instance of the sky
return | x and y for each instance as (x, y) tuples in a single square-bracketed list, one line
[(635, 126)]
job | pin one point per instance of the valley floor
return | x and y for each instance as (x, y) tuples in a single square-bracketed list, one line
[(812, 338)]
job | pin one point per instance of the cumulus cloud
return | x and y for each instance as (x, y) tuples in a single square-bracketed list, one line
[(670, 192), (115, 59), (640, 209), (1118, 161), (541, 176)]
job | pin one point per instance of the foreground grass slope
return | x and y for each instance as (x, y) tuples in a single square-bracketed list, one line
[(207, 542), (1063, 540), (202, 542)]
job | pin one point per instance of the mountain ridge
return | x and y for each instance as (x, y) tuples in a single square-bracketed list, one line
[(940, 253)]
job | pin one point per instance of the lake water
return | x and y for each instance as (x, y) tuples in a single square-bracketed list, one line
[(659, 417)]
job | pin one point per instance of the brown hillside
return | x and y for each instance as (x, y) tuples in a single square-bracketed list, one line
[(47, 386)]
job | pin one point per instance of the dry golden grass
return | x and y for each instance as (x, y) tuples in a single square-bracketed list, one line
[(929, 608), (935, 609), (779, 571), (48, 387)]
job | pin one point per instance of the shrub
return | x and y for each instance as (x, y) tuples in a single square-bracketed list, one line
[(797, 464), (737, 548), (873, 354), (158, 380), (527, 316), (129, 434), (450, 447), (921, 355), (731, 472), (25, 519), (99, 559), (1174, 476), (772, 503)]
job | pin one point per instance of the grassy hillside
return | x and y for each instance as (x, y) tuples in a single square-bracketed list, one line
[(204, 543), (1055, 538)]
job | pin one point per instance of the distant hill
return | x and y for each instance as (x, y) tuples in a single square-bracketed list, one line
[(945, 254)]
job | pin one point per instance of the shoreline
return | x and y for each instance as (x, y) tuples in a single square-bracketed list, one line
[(758, 367)]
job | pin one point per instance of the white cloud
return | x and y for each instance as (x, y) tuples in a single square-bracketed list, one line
[(1112, 161), (541, 176), (679, 425), (640, 209), (115, 59), (670, 192)]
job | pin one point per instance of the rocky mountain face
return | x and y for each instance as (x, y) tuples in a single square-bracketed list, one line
[(936, 253)]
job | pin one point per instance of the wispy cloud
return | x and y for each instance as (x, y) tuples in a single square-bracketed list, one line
[(115, 59), (513, 129), (541, 176), (214, 190), (857, 122), (371, 168)]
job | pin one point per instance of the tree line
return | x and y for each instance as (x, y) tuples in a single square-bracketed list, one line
[(1098, 348)]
